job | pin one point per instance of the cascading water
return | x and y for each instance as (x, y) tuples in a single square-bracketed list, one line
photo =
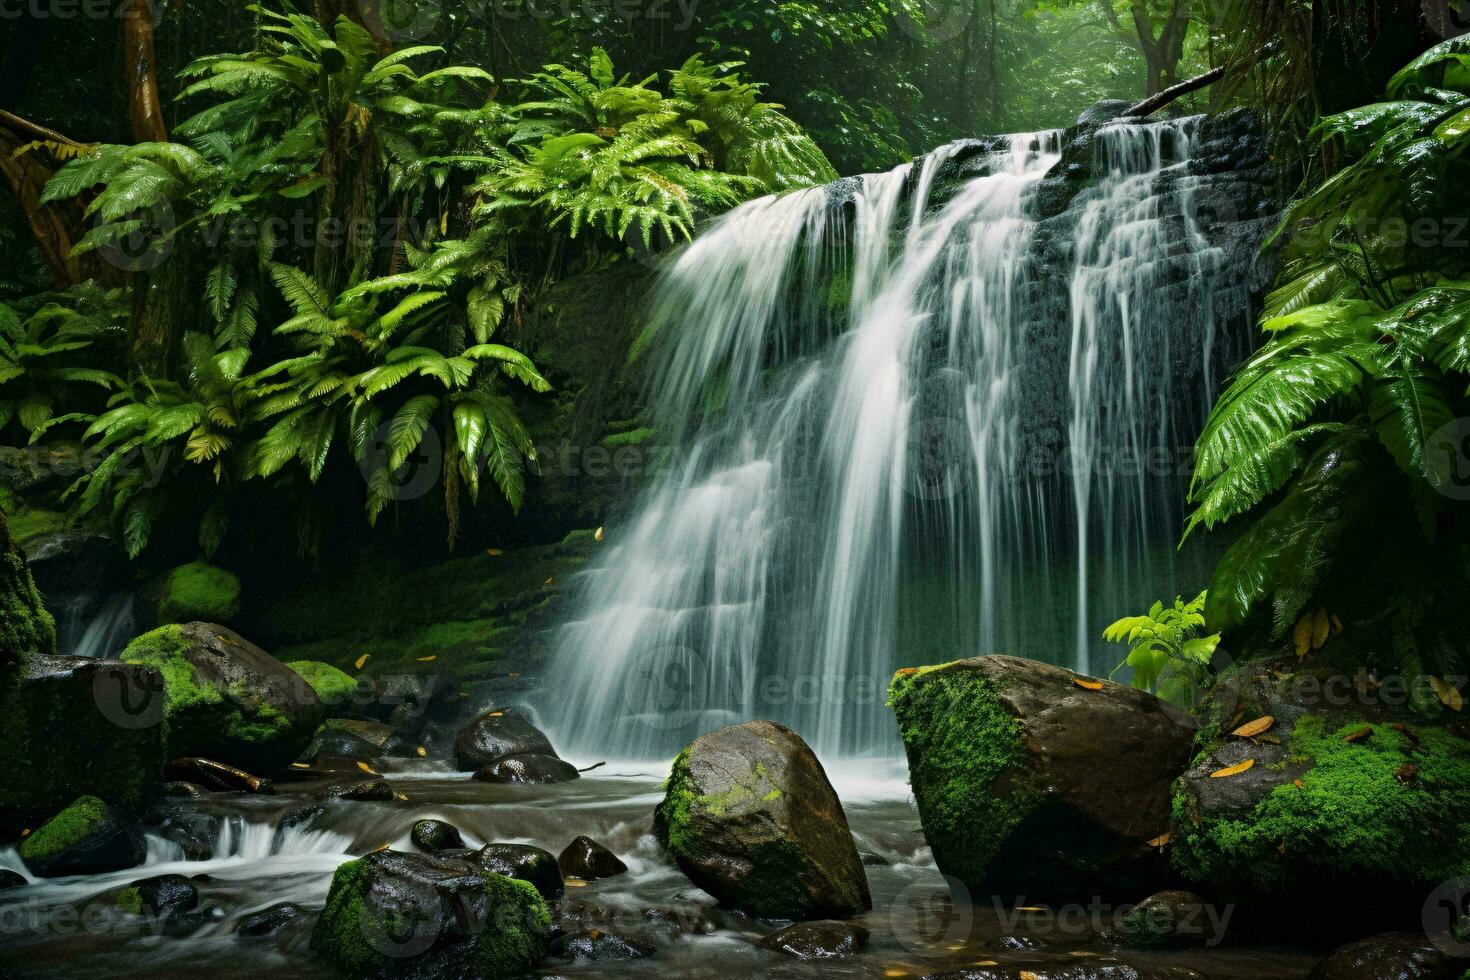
[(857, 381)]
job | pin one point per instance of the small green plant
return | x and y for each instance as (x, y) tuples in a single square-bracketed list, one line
[(1166, 651)]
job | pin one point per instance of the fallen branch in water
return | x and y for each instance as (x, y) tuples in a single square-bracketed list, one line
[(595, 765)]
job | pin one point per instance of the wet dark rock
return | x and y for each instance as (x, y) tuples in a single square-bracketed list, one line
[(193, 830), (690, 922), (530, 768), (496, 734), (594, 944), (179, 789), (871, 860), (1105, 111), (88, 837), (1038, 805), (218, 776), (750, 817), (230, 701), (353, 738), (586, 859), (821, 940), (188, 923), (11, 879), (160, 897), (1012, 943), (436, 836), (74, 726), (1390, 956), (269, 921), (524, 863), (404, 914), (1086, 969), (1166, 919), (366, 790), (300, 816)]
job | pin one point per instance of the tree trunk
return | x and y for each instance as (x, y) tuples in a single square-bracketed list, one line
[(140, 67)]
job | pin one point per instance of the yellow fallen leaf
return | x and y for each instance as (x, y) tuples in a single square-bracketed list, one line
[(1301, 637), (894, 971), (575, 883), (1447, 693), (1030, 908), (1028, 975), (400, 797), (300, 765), (1365, 732), (1087, 683), (421, 751), (26, 832), (1321, 627), (362, 660), (366, 768), (1336, 625), (1253, 728), (1298, 784), (1162, 839), (497, 714), (1080, 953), (548, 581), (494, 552), (1234, 770), (380, 848), (597, 535), (429, 659)]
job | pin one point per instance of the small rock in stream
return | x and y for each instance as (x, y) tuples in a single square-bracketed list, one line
[(10, 879), (161, 897), (434, 836), (496, 734), (825, 939), (594, 944), (1390, 956), (524, 863), (532, 768), (370, 790), (586, 859), (88, 837), (269, 921), (188, 923), (1163, 920), (180, 789)]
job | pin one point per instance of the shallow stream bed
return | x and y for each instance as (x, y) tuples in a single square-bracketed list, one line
[(67, 927)]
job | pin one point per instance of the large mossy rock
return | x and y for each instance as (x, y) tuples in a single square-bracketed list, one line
[(198, 591), (88, 837), (72, 726), (227, 699), (1352, 809), (26, 628), (1033, 785), (335, 689), (750, 817), (399, 914)]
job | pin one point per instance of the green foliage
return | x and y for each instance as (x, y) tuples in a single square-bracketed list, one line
[(199, 591), (599, 151), (1346, 414), (65, 830), (1166, 651), (44, 355)]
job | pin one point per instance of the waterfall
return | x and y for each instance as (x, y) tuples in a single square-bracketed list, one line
[(913, 417), (95, 624)]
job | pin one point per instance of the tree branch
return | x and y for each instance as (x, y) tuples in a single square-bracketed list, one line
[(1154, 103)]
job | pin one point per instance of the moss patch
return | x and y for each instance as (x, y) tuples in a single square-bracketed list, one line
[(967, 765), (1353, 814), (510, 941), (335, 689), (65, 830), (199, 591)]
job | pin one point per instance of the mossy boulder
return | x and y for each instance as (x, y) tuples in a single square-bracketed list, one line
[(88, 837), (352, 738), (750, 817), (412, 914), (1035, 782), (26, 628), (1352, 806), (74, 726), (198, 591), (335, 689), (226, 699), (524, 863)]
